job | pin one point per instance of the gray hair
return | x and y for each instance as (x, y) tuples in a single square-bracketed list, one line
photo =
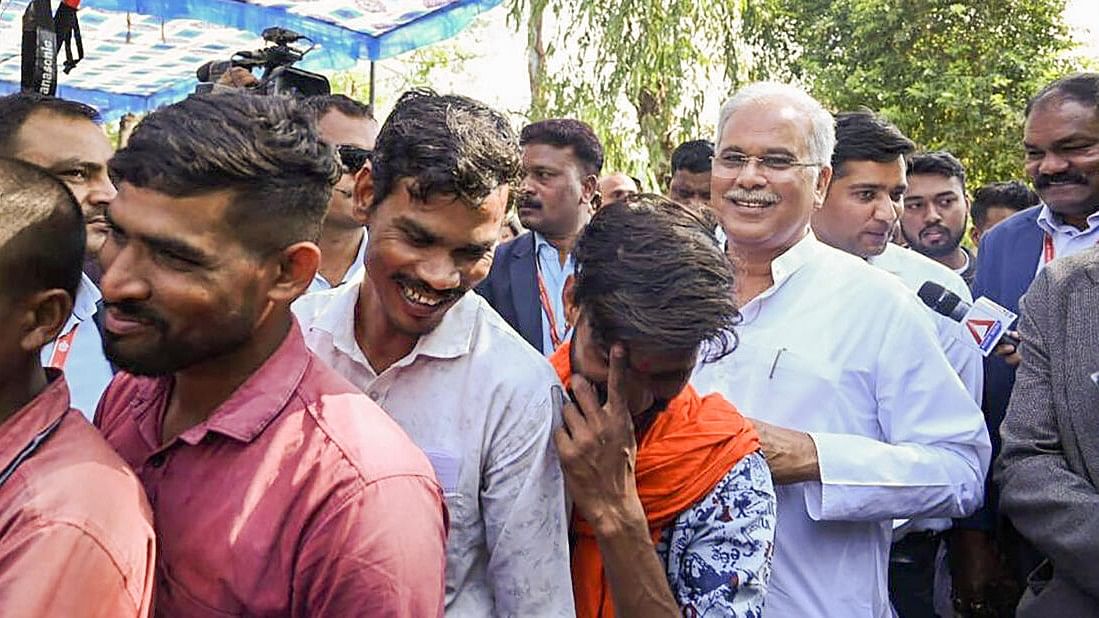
[(822, 139)]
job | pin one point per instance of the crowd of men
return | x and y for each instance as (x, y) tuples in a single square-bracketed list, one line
[(274, 358)]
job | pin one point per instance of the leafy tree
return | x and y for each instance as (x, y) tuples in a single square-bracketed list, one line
[(952, 75), (636, 70)]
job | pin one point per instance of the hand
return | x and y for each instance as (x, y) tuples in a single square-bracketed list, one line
[(598, 452), (238, 77), (1009, 351), (983, 583), (791, 455)]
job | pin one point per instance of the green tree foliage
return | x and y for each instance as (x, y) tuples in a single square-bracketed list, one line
[(952, 75), (637, 70)]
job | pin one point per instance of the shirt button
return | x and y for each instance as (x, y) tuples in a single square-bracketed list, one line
[(157, 460), (375, 395)]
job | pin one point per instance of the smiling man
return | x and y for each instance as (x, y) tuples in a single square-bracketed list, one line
[(443, 364), (860, 415), (1061, 140), (675, 506), (278, 489)]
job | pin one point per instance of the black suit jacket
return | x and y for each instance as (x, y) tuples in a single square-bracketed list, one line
[(512, 288)]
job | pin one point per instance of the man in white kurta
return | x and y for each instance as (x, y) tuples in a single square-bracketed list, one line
[(861, 417)]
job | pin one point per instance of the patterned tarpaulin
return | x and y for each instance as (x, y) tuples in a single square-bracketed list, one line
[(141, 54)]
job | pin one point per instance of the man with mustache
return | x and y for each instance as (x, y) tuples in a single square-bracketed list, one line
[(858, 215), (562, 159), (1061, 142), (468, 390), (936, 211), (65, 138), (278, 488), (683, 524), (862, 419)]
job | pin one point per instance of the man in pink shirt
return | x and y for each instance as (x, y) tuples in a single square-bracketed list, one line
[(76, 535), (278, 488)]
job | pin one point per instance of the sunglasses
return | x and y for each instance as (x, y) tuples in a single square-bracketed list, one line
[(353, 158)]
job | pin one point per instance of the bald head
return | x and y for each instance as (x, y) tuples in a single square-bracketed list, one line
[(614, 187), (41, 232)]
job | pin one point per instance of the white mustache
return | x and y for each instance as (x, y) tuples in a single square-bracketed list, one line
[(759, 197)]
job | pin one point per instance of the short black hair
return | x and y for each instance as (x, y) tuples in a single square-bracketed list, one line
[(694, 156), (645, 262), (937, 162), (865, 136), (16, 108), (42, 232), (264, 149), (1080, 87), (1010, 194), (447, 145), (564, 133), (321, 104)]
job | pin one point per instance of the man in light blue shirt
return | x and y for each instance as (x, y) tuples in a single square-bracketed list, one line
[(65, 138), (562, 159)]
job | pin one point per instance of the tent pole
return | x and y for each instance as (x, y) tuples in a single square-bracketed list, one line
[(372, 84)]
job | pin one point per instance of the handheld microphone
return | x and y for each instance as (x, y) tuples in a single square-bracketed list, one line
[(986, 321)]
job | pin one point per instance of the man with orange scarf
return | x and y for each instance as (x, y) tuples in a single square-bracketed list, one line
[(674, 508)]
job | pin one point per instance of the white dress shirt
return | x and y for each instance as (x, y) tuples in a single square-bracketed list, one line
[(914, 270), (1067, 239), (843, 351), (554, 275), (476, 397), (86, 367), (353, 275)]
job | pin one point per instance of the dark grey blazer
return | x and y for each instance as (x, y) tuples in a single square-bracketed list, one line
[(512, 288), (1049, 467)]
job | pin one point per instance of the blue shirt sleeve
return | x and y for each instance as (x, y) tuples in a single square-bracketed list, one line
[(718, 553)]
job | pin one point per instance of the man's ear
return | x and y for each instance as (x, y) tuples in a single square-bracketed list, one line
[(589, 188), (975, 236), (364, 193), (568, 296), (43, 316), (820, 192), (297, 265)]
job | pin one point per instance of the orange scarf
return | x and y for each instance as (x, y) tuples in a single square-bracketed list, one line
[(685, 453)]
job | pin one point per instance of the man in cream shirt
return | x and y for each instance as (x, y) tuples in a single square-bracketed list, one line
[(861, 417), (464, 386)]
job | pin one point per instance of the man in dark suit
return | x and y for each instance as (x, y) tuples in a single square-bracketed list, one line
[(562, 159), (1050, 463), (1061, 138)]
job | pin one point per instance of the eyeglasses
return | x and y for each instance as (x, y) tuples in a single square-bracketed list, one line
[(353, 158), (733, 163), (344, 192)]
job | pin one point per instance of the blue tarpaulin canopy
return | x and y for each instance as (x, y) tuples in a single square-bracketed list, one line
[(141, 54)]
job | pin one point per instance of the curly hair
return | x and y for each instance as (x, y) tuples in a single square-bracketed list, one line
[(649, 271), (263, 149), (447, 145)]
